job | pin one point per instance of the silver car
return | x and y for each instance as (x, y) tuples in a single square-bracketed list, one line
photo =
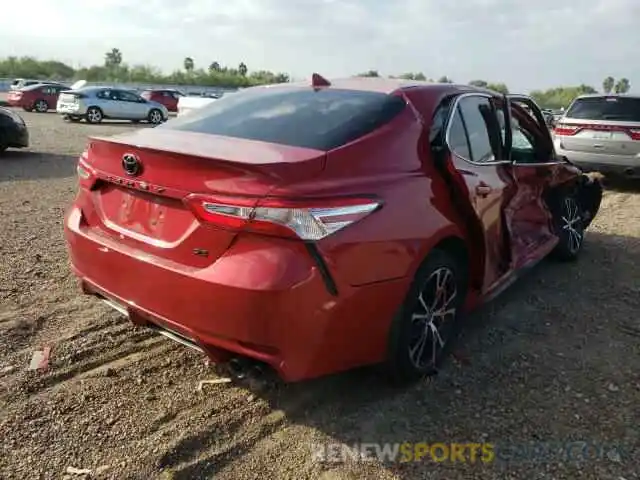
[(97, 103), (602, 132)]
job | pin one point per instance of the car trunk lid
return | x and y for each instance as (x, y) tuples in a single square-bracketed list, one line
[(147, 208)]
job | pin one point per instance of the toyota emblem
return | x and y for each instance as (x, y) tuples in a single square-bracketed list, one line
[(131, 164)]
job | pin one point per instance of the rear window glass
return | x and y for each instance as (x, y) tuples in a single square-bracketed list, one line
[(323, 120), (606, 108)]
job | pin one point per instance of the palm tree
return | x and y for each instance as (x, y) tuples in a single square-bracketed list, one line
[(113, 58), (214, 67), (607, 84), (188, 64), (242, 69), (622, 86)]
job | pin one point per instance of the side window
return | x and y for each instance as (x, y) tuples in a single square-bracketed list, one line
[(471, 129), (458, 141), (127, 96), (104, 94)]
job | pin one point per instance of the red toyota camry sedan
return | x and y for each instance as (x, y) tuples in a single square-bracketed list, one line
[(316, 227)]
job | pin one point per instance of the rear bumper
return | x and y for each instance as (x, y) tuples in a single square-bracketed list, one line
[(628, 165), (267, 302), (78, 110)]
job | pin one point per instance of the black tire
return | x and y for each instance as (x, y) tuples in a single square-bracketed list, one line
[(155, 117), (402, 366), (94, 115), (3, 148), (41, 106), (569, 226)]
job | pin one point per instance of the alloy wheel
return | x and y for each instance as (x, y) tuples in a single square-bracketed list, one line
[(94, 115), (155, 117), (433, 320), (572, 224), (41, 106)]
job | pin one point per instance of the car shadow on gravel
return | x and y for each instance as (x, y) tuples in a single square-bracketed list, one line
[(27, 165), (524, 371)]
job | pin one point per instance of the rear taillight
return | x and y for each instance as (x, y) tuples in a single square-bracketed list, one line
[(634, 133), (86, 175), (566, 129), (305, 220)]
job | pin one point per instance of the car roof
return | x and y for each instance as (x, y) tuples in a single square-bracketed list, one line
[(608, 95), (41, 84), (386, 85)]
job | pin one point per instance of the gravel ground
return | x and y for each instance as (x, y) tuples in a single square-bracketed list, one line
[(556, 358)]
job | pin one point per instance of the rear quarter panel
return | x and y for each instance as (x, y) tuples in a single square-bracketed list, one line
[(415, 215)]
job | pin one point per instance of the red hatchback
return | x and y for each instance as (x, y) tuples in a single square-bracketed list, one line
[(167, 97), (40, 97), (316, 228)]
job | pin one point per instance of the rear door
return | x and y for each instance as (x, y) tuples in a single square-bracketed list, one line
[(534, 169), (608, 125), (108, 102), (474, 141), (131, 106)]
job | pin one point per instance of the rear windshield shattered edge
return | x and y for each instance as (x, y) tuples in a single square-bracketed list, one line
[(606, 108), (302, 117)]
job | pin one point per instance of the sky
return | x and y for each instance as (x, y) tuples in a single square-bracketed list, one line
[(525, 44)]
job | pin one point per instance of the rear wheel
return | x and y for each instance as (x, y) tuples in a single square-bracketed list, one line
[(428, 322), (94, 115), (155, 116), (41, 106), (569, 227)]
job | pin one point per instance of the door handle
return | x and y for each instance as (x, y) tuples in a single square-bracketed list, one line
[(483, 190)]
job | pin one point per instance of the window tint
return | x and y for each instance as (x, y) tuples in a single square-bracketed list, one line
[(104, 94), (476, 112), (606, 108), (126, 96), (302, 117)]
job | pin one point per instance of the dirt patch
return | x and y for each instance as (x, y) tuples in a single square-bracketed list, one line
[(556, 358)]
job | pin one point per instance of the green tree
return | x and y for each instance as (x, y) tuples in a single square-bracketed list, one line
[(498, 87), (214, 67), (608, 84), (242, 69), (622, 86), (370, 73), (445, 79), (413, 76), (560, 97), (479, 83), (188, 64), (113, 58)]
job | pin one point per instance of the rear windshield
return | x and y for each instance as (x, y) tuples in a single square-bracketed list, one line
[(323, 120), (606, 108)]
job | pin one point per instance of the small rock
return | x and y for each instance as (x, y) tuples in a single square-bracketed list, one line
[(613, 388), (9, 369), (614, 456), (109, 372), (139, 380), (101, 469), (251, 398)]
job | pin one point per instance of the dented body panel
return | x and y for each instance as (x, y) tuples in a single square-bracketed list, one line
[(137, 241)]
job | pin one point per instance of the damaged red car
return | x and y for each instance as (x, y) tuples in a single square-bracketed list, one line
[(316, 227)]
